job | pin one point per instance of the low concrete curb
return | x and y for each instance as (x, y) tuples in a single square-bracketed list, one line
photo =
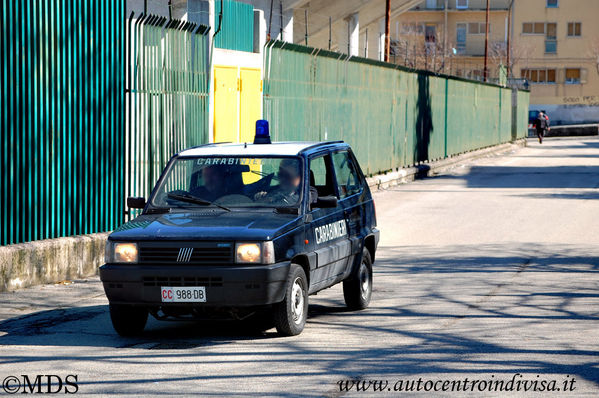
[(50, 260), (56, 260), (403, 175)]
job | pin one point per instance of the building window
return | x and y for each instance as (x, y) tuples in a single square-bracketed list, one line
[(461, 30), (461, 4), (412, 28), (433, 4), (539, 76), (550, 46), (477, 28), (430, 33), (550, 38), (551, 30), (533, 28), (574, 29), (572, 75), (552, 3)]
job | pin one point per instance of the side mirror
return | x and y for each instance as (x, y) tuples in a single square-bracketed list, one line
[(325, 202), (136, 203)]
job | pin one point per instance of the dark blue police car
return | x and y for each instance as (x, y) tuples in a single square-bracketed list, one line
[(242, 231)]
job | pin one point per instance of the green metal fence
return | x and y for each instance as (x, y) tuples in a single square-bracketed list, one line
[(62, 110), (391, 116), (167, 96), (237, 25), (522, 114)]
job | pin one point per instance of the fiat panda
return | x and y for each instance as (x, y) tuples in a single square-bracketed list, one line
[(244, 231)]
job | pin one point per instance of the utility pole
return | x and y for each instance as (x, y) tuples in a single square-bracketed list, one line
[(281, 18), (269, 21), (485, 70), (509, 38), (446, 5), (387, 29), (306, 21), (330, 31)]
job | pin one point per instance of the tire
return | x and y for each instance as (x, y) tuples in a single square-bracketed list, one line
[(290, 314), (128, 320), (357, 290)]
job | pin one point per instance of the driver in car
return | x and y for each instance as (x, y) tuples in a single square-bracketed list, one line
[(288, 190), (214, 183)]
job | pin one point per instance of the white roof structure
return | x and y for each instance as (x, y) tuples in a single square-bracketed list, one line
[(276, 148)]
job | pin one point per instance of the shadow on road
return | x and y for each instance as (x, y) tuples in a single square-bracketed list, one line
[(530, 177), (416, 349)]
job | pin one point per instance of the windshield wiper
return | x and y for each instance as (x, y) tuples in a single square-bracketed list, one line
[(158, 210), (195, 200), (286, 210)]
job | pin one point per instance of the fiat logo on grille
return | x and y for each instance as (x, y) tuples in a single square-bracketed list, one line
[(184, 254)]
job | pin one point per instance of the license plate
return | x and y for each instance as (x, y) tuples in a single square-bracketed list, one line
[(177, 294)]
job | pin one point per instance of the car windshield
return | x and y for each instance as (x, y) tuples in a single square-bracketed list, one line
[(230, 182)]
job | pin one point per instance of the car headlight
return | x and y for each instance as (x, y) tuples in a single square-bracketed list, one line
[(121, 252), (255, 253)]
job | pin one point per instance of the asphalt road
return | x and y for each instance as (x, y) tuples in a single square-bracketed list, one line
[(489, 272)]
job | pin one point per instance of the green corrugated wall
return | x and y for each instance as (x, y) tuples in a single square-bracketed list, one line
[(392, 117), (61, 140), (237, 27)]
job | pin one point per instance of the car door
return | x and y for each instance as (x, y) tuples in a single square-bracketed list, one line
[(328, 233), (351, 192)]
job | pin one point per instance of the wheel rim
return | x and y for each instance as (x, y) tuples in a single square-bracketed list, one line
[(297, 301), (364, 280)]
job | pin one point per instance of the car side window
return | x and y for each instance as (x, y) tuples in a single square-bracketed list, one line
[(321, 176), (347, 176)]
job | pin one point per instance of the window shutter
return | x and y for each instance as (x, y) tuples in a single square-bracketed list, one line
[(583, 76), (561, 76)]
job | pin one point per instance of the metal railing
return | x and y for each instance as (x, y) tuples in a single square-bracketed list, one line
[(167, 96)]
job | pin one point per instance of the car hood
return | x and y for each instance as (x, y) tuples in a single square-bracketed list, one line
[(207, 225)]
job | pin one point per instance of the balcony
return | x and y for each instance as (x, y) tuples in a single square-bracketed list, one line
[(470, 5)]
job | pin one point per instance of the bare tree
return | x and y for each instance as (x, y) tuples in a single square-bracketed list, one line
[(415, 50), (519, 56)]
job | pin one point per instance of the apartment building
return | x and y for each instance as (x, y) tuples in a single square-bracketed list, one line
[(554, 45), (556, 48), (449, 36)]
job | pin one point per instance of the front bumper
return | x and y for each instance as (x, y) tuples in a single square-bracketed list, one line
[(230, 286)]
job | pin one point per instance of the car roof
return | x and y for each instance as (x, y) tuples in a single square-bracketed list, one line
[(274, 149)]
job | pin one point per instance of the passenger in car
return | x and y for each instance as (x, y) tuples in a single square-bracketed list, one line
[(213, 178)]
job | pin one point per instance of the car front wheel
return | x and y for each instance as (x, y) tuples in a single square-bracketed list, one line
[(290, 314)]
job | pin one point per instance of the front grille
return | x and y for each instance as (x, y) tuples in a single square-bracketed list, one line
[(182, 281), (184, 255)]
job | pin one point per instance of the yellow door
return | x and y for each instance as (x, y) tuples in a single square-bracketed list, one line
[(249, 111), (250, 103), (225, 104)]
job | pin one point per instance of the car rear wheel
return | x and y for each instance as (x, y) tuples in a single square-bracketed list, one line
[(290, 314), (128, 320), (357, 290)]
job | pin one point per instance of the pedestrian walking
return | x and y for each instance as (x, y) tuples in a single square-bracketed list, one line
[(541, 125)]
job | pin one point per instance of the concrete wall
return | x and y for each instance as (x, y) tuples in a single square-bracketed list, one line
[(569, 114), (50, 261)]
